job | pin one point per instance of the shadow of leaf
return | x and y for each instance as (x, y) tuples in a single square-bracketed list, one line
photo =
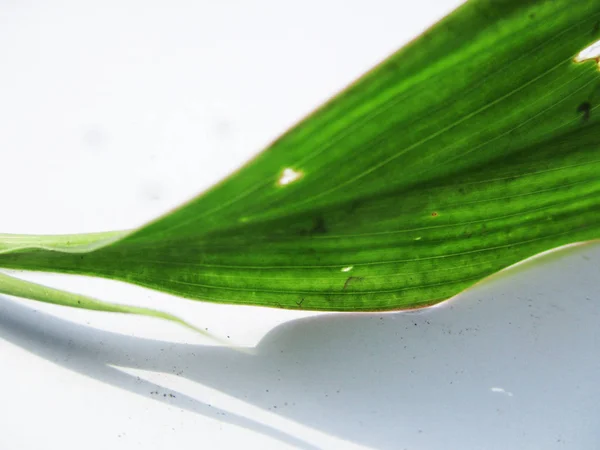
[(511, 363)]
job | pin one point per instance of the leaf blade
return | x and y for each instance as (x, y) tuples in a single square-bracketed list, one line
[(462, 154)]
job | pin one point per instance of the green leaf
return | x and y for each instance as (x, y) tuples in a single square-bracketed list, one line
[(26, 289), (472, 148)]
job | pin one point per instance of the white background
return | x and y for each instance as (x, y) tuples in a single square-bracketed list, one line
[(113, 112)]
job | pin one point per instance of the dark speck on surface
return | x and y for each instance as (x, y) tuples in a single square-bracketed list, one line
[(319, 226), (94, 138), (585, 109)]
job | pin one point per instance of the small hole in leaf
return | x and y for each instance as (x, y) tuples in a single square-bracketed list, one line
[(288, 176), (590, 52), (347, 269)]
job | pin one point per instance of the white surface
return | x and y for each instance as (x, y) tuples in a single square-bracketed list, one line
[(113, 112)]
